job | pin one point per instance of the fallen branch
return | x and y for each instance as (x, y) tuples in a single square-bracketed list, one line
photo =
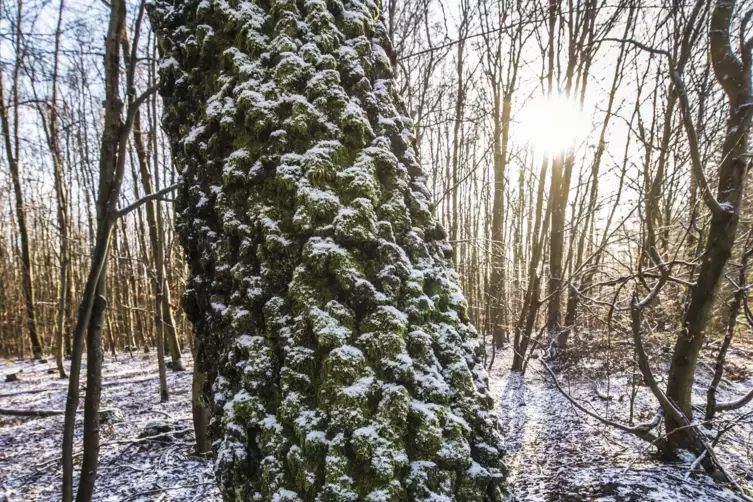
[(603, 396), (36, 413), (63, 388), (694, 465), (33, 391), (130, 442), (148, 438), (179, 487), (30, 413)]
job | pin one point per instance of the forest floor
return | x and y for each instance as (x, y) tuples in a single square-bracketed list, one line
[(132, 466), (555, 453)]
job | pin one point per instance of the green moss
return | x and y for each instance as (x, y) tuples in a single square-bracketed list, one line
[(392, 412), (245, 407), (329, 331), (342, 313), (287, 24), (356, 130), (343, 366), (292, 71), (359, 181), (356, 224), (303, 294)]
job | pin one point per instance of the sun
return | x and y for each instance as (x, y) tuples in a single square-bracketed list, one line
[(552, 124)]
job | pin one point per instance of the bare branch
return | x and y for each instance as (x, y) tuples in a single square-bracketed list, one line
[(695, 155), (736, 404), (144, 200)]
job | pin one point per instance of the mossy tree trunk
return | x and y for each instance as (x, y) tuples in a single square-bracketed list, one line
[(340, 362)]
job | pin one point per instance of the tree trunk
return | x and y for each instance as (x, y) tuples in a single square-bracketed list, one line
[(531, 303), (338, 351), (558, 201), (738, 298), (153, 217), (200, 405), (53, 139), (572, 300), (115, 134), (164, 316), (94, 356), (159, 326), (734, 75), (498, 277), (12, 151)]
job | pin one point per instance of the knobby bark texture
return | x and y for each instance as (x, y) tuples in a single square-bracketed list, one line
[(339, 359)]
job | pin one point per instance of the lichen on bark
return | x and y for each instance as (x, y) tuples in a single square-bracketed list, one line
[(338, 352)]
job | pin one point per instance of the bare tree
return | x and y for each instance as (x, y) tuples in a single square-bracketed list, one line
[(733, 73), (9, 120), (113, 154)]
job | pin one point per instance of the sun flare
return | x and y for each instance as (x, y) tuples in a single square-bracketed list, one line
[(553, 124)]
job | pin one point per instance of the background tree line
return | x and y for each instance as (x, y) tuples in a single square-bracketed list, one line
[(537, 229)]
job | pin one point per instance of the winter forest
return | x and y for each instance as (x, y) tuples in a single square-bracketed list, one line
[(376, 250)]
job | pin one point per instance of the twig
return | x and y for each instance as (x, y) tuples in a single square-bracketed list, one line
[(179, 487), (736, 404)]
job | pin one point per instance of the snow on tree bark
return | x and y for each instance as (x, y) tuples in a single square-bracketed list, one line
[(334, 334)]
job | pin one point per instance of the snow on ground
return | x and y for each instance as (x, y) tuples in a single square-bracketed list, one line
[(131, 468), (557, 453)]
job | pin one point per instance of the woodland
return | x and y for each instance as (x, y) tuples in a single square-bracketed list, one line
[(378, 250)]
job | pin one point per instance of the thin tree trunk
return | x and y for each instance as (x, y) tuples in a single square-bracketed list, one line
[(153, 217), (91, 311), (12, 150)]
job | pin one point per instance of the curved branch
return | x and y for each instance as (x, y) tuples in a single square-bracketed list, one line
[(641, 430), (737, 404)]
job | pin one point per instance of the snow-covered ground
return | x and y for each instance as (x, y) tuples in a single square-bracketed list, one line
[(131, 468), (555, 453)]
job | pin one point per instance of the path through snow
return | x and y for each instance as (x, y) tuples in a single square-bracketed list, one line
[(556, 453)]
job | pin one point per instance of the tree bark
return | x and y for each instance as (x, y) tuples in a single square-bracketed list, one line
[(322, 289), (200, 405), (738, 298)]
